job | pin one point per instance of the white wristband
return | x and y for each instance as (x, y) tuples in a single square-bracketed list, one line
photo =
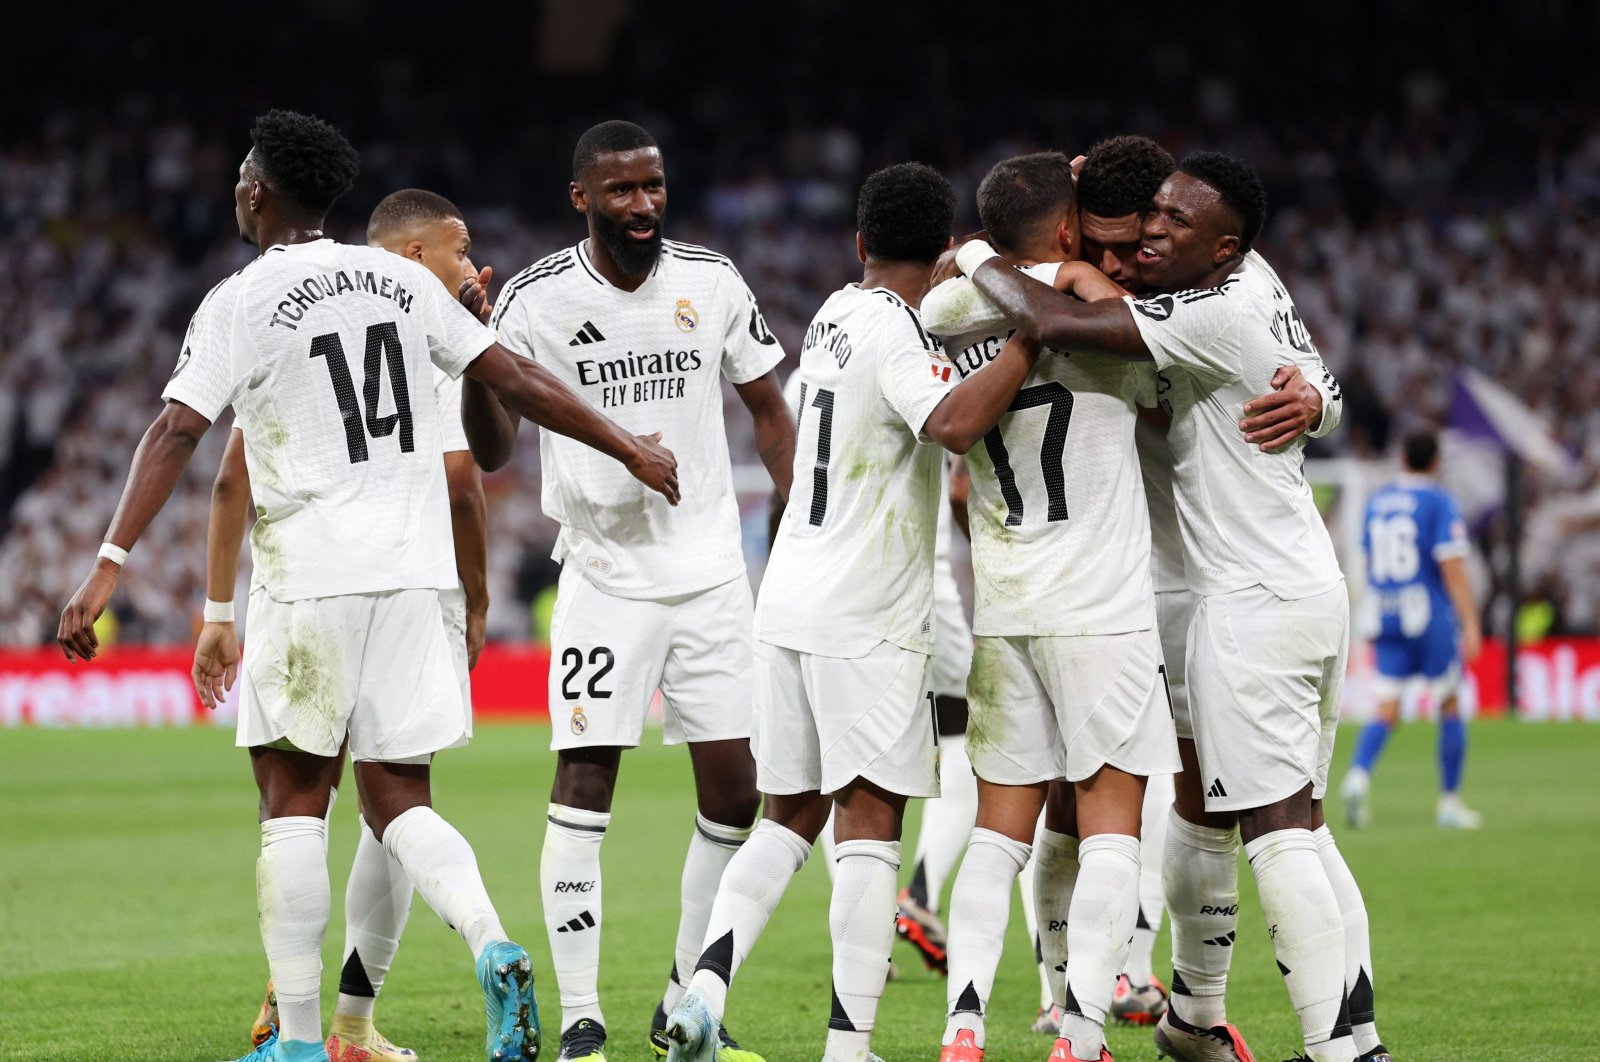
[(973, 254), (115, 554), (218, 611)]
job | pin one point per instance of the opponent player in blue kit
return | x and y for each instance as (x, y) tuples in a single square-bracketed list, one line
[(1427, 623)]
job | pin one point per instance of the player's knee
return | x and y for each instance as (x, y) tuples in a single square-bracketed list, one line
[(738, 809), (586, 780)]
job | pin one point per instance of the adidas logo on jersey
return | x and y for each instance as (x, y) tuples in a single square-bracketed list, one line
[(587, 334), (1216, 789), (585, 920)]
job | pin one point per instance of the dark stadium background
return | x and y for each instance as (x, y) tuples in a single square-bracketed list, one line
[(1434, 174)]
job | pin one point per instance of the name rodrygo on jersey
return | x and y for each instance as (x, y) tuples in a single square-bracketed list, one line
[(324, 349), (653, 360), (1247, 516), (852, 566)]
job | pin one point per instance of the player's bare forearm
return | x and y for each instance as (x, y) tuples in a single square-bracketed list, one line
[(491, 428), (469, 526), (774, 426), (1059, 320), (775, 508), (972, 407), (532, 391), (1453, 572), (230, 512), (960, 485), (158, 464)]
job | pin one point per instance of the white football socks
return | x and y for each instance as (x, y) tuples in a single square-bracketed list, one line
[(711, 847), (1055, 878), (752, 885), (861, 922), (1152, 900), (377, 901), (292, 898), (1030, 918), (441, 866), (1200, 878), (1105, 905), (1358, 976), (980, 908), (1307, 934), (946, 822), (569, 891)]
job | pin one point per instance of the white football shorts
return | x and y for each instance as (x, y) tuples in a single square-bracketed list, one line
[(378, 666), (1046, 707), (1265, 677), (823, 721), (453, 605), (1174, 612), (609, 655), (952, 636)]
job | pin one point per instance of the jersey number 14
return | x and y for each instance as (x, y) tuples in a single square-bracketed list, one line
[(383, 349)]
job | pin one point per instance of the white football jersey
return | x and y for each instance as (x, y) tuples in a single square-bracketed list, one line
[(652, 360), (853, 563), (323, 351), (1060, 534), (1166, 540), (1247, 516)]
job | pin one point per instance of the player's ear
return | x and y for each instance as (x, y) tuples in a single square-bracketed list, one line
[(580, 198), (413, 250), (861, 249), (1067, 234), (1227, 247)]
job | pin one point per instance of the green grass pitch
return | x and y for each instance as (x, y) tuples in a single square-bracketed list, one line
[(128, 930)]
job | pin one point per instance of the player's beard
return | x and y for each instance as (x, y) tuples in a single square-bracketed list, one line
[(634, 257)]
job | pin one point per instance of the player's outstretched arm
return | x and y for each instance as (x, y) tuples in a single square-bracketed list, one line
[(967, 411), (534, 392), (774, 428), (159, 461), (216, 651), (469, 525), (1054, 318), (491, 428)]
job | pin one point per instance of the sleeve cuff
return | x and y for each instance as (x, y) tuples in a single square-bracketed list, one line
[(973, 254)]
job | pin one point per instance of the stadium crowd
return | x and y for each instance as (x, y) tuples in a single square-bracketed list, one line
[(1411, 253)]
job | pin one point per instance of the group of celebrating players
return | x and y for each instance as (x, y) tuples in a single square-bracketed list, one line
[(1155, 592)]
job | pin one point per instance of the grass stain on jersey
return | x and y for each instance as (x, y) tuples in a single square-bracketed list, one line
[(266, 551)]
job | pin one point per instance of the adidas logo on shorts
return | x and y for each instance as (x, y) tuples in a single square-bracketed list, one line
[(587, 334), (1216, 789)]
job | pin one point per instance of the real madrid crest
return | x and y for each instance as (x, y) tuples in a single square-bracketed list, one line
[(686, 317), (579, 724)]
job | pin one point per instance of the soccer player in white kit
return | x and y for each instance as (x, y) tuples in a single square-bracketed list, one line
[(429, 229), (353, 539), (1066, 678), (1267, 645), (844, 715), (650, 595)]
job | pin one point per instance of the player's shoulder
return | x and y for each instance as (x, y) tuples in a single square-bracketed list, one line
[(692, 256), (226, 293), (900, 321), (545, 271)]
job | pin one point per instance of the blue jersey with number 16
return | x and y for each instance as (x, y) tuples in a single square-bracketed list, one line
[(1412, 525)]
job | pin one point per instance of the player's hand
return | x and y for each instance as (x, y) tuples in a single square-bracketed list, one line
[(474, 294), (76, 633), (1471, 645), (1076, 165), (1279, 417), (945, 268), (216, 662), (654, 465), (477, 623)]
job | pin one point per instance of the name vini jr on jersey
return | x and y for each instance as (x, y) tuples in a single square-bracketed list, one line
[(635, 378)]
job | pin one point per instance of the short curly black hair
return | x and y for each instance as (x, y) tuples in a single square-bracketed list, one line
[(1239, 186), (1122, 174), (1019, 193), (304, 159), (398, 211), (606, 138), (905, 213)]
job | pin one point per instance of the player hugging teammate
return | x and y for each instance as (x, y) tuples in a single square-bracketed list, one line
[(1155, 591)]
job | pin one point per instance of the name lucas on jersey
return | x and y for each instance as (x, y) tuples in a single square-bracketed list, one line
[(312, 290), (616, 377)]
